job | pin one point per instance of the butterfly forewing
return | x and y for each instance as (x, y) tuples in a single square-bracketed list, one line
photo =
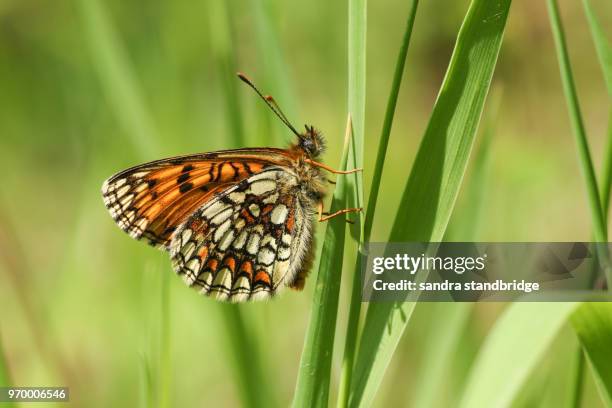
[(151, 200), (247, 241)]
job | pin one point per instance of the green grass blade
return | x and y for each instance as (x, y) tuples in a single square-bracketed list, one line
[(276, 76), (606, 174), (5, 379), (312, 388), (117, 78), (584, 155), (350, 340), (604, 51), (605, 184), (146, 382), (357, 28), (165, 357), (449, 321), (388, 121), (512, 350), (243, 349), (356, 105), (467, 219), (577, 379), (432, 188), (598, 200), (436, 176), (604, 54), (223, 46), (592, 323)]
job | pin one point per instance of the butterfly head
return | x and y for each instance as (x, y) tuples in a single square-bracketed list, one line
[(311, 142)]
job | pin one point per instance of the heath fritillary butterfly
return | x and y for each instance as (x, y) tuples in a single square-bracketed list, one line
[(238, 223)]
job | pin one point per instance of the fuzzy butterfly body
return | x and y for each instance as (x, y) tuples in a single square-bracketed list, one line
[(238, 224)]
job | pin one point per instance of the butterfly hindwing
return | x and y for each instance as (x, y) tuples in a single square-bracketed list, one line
[(246, 242)]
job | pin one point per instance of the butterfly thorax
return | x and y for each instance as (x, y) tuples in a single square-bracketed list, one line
[(312, 185)]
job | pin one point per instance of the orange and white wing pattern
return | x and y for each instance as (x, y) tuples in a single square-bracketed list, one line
[(151, 200), (247, 242)]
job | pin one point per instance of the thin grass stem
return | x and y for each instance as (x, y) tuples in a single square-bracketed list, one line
[(586, 163), (388, 121)]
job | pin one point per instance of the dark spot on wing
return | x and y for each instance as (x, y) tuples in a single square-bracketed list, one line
[(182, 178), (169, 230), (185, 187)]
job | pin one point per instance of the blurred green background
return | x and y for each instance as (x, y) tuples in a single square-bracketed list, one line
[(89, 87)]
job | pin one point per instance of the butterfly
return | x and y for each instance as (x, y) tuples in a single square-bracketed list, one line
[(238, 224)]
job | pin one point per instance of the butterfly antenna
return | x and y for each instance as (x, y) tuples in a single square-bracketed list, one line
[(269, 100)]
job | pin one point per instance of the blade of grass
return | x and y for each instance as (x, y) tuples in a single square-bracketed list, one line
[(606, 174), (434, 182), (604, 53), (14, 268), (117, 78), (605, 184), (465, 222), (595, 201), (5, 379), (586, 163), (602, 46), (276, 77), (312, 388), (388, 121), (146, 379), (357, 30), (222, 41), (577, 379), (511, 351), (165, 361), (449, 320), (253, 385), (592, 323)]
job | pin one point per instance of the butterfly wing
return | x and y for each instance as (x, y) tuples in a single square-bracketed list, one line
[(247, 242), (149, 201)]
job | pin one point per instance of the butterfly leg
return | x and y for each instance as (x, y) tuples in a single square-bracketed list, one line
[(326, 216)]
